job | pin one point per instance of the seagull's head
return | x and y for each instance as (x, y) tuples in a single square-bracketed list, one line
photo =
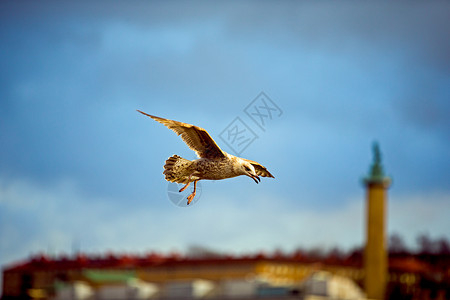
[(248, 170)]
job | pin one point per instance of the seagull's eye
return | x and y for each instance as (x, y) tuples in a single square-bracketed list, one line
[(247, 169)]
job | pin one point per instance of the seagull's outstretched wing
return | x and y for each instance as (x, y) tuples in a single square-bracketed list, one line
[(195, 137), (259, 169)]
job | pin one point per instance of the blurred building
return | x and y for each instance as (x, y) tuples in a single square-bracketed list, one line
[(156, 276), (170, 277)]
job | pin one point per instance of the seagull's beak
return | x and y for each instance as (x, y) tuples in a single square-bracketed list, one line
[(255, 178)]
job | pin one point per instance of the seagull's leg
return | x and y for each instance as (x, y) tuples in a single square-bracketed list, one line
[(184, 187), (191, 196)]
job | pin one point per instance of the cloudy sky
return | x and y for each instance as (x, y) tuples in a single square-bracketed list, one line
[(80, 169)]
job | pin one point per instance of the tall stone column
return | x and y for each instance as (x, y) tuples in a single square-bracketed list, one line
[(375, 254)]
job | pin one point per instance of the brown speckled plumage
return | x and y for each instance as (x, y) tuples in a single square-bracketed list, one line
[(213, 163)]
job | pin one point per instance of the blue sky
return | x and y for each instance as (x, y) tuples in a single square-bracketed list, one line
[(80, 168)]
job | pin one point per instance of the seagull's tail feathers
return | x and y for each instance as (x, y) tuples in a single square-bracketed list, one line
[(177, 170)]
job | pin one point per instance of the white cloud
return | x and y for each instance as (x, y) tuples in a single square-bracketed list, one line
[(37, 218)]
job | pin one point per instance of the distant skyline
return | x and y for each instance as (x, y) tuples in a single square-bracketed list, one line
[(79, 166)]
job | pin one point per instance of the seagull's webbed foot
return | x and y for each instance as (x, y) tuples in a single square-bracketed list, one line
[(191, 196)]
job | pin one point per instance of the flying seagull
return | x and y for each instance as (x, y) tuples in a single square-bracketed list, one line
[(212, 164)]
